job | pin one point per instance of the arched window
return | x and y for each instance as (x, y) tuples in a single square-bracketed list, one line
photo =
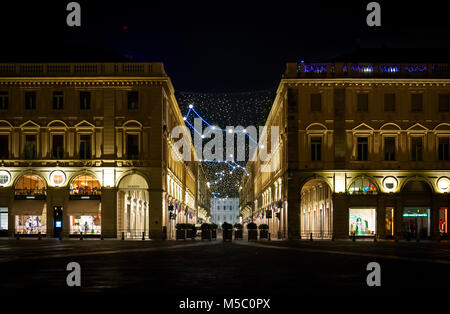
[(362, 186), (30, 184), (85, 184)]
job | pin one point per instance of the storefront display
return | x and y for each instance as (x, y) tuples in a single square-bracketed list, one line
[(3, 219), (416, 222), (30, 224), (86, 224), (362, 221), (443, 221), (362, 186), (389, 221), (85, 185)]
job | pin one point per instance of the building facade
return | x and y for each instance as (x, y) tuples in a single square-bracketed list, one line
[(85, 148), (363, 150), (224, 210)]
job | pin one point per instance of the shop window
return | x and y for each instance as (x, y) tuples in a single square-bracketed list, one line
[(85, 185), (363, 148), (389, 102), (58, 100), (30, 224), (389, 221), (58, 146), (85, 100), (363, 102), (444, 102), (416, 102), (3, 218), (30, 146), (316, 148), (4, 100), (362, 186), (443, 148), (362, 221), (30, 100), (132, 146), (85, 146), (86, 224), (443, 221), (316, 102), (133, 100), (416, 148), (4, 146), (416, 222), (389, 148)]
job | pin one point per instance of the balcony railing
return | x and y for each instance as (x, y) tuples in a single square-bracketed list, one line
[(82, 69), (387, 70)]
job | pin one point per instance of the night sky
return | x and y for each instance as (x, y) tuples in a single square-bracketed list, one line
[(220, 55)]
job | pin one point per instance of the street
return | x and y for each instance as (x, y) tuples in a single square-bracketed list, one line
[(172, 270)]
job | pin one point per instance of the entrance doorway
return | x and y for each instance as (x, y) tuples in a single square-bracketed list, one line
[(416, 222)]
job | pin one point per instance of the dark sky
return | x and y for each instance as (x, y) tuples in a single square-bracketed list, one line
[(217, 45)]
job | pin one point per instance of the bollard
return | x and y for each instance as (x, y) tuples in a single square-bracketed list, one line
[(418, 238), (310, 237), (60, 235), (354, 238), (269, 237), (18, 236), (39, 236), (81, 235), (123, 235), (375, 238), (143, 236), (332, 237), (101, 237)]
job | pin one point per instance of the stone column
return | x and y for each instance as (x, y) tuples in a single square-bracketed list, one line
[(340, 215), (109, 212), (155, 214), (293, 209)]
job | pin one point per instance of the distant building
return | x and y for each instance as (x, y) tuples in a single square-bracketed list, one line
[(224, 210)]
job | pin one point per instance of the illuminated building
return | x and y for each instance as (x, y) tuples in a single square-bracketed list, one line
[(84, 147), (224, 210), (363, 151)]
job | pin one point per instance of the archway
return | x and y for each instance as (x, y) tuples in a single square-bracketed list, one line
[(84, 206), (316, 209), (133, 207), (416, 214), (29, 209)]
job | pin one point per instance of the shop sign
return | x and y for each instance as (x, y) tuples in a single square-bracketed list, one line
[(415, 215)]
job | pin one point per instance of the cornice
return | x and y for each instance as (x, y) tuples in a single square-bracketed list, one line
[(83, 81), (364, 82)]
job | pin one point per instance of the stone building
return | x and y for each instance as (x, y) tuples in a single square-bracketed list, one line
[(85, 147), (224, 210), (363, 150)]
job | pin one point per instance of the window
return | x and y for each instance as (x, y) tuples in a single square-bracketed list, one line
[(85, 184), (416, 148), (132, 146), (363, 102), (363, 148), (85, 100), (58, 146), (316, 102), (389, 148), (58, 100), (133, 98), (389, 102), (362, 186), (416, 102), (316, 148), (4, 100), (4, 146), (85, 146), (30, 146), (3, 218), (444, 102), (443, 148), (30, 185), (362, 221), (30, 100)]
